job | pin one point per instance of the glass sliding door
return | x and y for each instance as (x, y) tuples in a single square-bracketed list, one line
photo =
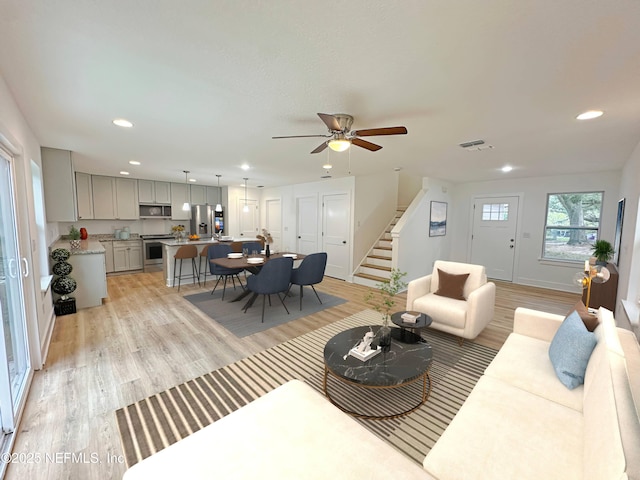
[(14, 354)]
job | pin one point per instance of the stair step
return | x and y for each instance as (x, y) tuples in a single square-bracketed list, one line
[(377, 267), (379, 257), (374, 278)]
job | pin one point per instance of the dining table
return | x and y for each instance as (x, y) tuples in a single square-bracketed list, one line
[(248, 263)]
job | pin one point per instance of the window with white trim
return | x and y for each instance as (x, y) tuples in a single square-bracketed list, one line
[(572, 225)]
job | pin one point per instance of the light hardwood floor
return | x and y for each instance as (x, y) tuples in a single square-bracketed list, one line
[(145, 339)]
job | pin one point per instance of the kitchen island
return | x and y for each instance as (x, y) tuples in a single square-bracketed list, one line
[(171, 247)]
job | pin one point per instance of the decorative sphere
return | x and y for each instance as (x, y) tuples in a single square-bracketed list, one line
[(62, 269), (64, 285), (60, 254)]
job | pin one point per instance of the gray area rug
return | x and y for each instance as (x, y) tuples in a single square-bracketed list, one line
[(158, 421), (232, 316)]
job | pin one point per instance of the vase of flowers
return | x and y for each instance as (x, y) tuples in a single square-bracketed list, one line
[(74, 237), (267, 239), (383, 300), (178, 232)]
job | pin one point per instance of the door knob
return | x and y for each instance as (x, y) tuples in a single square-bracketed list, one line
[(299, 236), (344, 241), (510, 246)]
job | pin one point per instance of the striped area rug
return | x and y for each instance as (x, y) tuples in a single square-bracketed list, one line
[(158, 421)]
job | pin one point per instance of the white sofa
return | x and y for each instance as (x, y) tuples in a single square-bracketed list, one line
[(519, 422), (464, 318)]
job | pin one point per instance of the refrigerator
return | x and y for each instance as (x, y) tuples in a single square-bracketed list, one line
[(205, 221)]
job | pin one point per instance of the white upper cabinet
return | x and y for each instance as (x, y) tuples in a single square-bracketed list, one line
[(214, 196), (179, 195), (154, 192), (114, 198), (127, 199), (59, 185), (84, 193), (198, 194)]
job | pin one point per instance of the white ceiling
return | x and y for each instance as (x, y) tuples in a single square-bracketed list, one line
[(208, 83)]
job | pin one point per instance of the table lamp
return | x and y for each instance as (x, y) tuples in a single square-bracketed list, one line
[(591, 274)]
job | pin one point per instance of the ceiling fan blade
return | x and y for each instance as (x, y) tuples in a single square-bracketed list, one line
[(380, 131), (330, 121), (302, 136), (364, 144), (320, 148)]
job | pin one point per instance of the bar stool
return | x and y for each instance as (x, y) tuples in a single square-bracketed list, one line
[(185, 251), (204, 254)]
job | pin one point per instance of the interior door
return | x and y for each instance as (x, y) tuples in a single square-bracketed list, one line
[(307, 225), (14, 353), (249, 219), (273, 222), (336, 214), (493, 242)]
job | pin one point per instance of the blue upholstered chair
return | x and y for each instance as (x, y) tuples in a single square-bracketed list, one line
[(310, 272), (273, 278), (221, 250)]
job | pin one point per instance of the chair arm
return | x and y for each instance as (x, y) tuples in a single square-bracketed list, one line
[(416, 289), (481, 307), (536, 324)]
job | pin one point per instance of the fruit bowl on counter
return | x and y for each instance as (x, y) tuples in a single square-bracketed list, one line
[(194, 237)]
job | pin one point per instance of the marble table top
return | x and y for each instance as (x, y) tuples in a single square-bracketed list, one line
[(400, 364)]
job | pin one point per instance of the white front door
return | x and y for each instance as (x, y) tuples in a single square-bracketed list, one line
[(249, 218), (273, 223), (335, 234), (307, 225), (493, 242)]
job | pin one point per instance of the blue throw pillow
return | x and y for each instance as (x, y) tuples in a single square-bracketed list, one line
[(570, 350)]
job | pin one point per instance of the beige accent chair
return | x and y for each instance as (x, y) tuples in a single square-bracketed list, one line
[(464, 318)]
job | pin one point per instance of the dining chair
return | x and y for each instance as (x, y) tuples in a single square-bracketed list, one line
[(183, 253), (310, 272), (204, 254), (221, 250), (273, 278)]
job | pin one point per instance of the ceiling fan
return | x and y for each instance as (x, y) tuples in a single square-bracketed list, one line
[(341, 137)]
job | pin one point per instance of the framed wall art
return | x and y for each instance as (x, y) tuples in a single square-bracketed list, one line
[(438, 219)]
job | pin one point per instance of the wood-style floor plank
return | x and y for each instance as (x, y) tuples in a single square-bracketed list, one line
[(146, 338)]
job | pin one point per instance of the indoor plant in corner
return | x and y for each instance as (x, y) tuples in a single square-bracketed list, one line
[(383, 300), (603, 251)]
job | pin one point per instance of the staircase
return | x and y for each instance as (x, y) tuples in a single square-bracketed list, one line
[(376, 267)]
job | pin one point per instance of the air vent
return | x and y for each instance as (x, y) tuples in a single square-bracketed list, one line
[(476, 145), (325, 176)]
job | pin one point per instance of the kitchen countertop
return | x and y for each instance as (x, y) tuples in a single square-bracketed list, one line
[(204, 241), (87, 247)]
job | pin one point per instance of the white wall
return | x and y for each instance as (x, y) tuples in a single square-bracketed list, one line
[(408, 187), (529, 268)]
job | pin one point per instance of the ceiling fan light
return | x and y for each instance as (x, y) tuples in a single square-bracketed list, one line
[(339, 145)]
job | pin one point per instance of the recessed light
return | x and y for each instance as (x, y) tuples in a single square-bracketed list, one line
[(245, 167), (507, 168), (122, 122), (124, 173), (590, 114), (327, 166), (134, 162)]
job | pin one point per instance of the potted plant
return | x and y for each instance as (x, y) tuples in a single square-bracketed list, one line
[(74, 237), (383, 300), (603, 251)]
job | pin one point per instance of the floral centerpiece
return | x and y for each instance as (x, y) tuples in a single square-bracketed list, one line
[(178, 232), (383, 300), (267, 239)]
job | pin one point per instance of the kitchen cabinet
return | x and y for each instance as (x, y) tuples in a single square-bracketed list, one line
[(198, 194), (150, 192), (84, 193), (59, 185), (127, 255), (114, 198), (108, 255), (179, 195), (214, 195)]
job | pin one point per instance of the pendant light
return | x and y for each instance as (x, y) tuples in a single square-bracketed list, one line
[(185, 206), (219, 204), (246, 207)]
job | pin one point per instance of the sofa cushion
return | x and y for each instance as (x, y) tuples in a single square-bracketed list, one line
[(451, 285), (524, 362), (443, 310), (570, 350), (498, 434), (589, 319)]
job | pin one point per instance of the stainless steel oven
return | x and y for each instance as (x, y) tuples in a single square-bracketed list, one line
[(153, 249)]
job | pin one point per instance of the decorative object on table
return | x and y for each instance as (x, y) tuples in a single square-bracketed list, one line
[(591, 274), (178, 232), (603, 251), (410, 317), (383, 300), (74, 237), (63, 284), (267, 239), (83, 234), (438, 219), (363, 350)]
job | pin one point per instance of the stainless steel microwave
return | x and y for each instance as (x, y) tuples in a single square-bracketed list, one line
[(155, 211)]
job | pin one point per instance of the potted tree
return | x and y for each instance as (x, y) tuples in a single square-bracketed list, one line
[(383, 300), (603, 251)]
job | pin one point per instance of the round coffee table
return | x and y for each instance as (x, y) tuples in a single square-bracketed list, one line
[(399, 365), (409, 332)]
